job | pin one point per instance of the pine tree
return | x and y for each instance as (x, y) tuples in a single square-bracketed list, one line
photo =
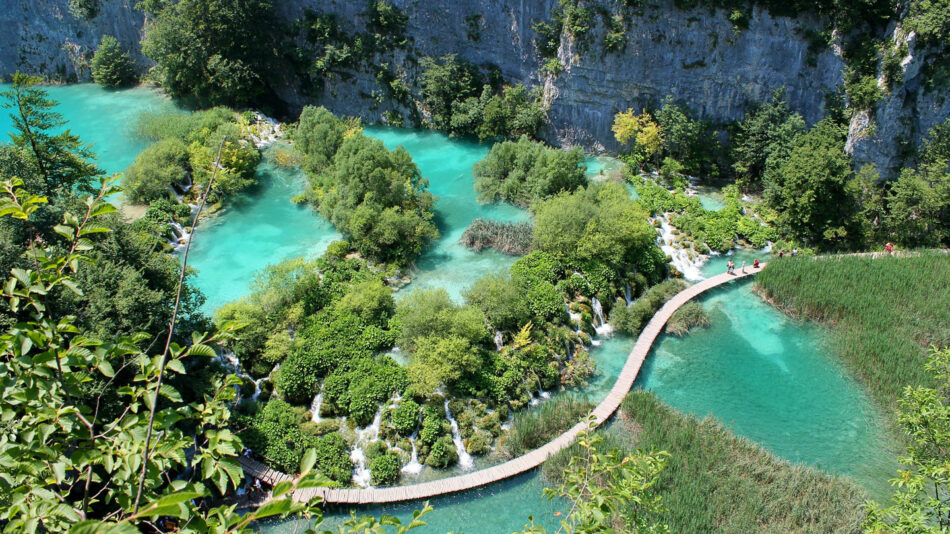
[(112, 66)]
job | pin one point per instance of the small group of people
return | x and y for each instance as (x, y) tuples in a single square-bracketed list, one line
[(731, 266), (781, 253)]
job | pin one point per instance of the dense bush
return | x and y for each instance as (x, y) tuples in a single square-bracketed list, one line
[(524, 172), (274, 433), (499, 298), (599, 226), (112, 66), (457, 100), (376, 198), (431, 312), (333, 458), (211, 51), (405, 417), (633, 318), (508, 238), (384, 469), (156, 170)]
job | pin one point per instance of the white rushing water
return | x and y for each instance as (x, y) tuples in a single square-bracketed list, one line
[(181, 235), (499, 340), (413, 467), (681, 258), (602, 327), (315, 406), (466, 462), (361, 473)]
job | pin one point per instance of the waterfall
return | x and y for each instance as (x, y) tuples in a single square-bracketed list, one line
[(626, 294), (598, 310), (499, 340), (465, 459), (315, 406), (567, 348), (679, 257), (603, 329), (361, 473), (181, 235), (413, 467)]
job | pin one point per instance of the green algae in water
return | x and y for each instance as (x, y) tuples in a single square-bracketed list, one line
[(770, 379), (102, 118)]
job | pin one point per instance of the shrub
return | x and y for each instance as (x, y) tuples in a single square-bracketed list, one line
[(508, 238), (443, 453), (689, 316), (333, 458), (156, 170), (523, 172), (112, 66), (384, 469), (406, 417)]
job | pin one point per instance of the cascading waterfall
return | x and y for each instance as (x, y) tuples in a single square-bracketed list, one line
[(626, 294), (691, 268), (603, 329), (181, 236), (361, 473), (315, 406), (499, 340), (465, 459)]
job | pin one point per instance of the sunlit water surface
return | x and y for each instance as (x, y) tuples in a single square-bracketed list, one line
[(767, 377)]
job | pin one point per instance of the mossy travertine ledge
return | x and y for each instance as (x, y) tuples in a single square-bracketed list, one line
[(523, 463)]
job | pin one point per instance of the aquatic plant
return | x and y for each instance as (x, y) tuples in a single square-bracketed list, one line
[(533, 428), (884, 311), (506, 237), (718, 482), (687, 317)]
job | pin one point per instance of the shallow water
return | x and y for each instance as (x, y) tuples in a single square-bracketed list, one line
[(102, 118), (766, 376), (770, 378)]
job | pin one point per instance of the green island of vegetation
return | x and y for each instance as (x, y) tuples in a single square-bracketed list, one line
[(127, 406)]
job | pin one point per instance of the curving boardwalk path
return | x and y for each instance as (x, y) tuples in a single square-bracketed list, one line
[(523, 463)]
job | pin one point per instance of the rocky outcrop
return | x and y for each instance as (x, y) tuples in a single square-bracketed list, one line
[(697, 56), (43, 37)]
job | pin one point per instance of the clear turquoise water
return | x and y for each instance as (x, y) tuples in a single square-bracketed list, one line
[(258, 229), (447, 164), (771, 379), (102, 118), (766, 376)]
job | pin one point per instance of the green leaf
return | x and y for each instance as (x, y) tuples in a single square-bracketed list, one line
[(272, 508), (308, 460)]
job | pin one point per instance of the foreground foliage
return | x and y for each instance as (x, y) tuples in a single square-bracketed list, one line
[(922, 499)]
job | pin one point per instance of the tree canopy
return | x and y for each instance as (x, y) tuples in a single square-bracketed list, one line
[(523, 172)]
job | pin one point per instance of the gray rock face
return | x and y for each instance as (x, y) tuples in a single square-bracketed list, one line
[(694, 55), (43, 37)]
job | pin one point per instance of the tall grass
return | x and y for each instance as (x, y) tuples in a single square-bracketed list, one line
[(884, 312), (512, 238), (718, 482), (533, 428)]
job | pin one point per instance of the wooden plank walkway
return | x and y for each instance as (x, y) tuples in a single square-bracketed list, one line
[(523, 463)]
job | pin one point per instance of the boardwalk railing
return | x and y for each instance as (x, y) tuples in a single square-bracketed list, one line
[(523, 463)]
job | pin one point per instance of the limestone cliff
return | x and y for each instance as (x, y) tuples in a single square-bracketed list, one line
[(43, 37), (697, 56)]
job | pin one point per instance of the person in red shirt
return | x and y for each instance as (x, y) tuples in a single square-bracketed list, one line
[(889, 248), (756, 263)]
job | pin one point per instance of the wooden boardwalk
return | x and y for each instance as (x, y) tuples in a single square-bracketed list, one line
[(523, 463)]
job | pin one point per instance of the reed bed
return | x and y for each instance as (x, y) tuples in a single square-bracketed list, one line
[(531, 429), (718, 482), (511, 238), (884, 312)]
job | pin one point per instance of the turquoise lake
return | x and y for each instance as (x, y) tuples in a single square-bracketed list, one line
[(766, 376)]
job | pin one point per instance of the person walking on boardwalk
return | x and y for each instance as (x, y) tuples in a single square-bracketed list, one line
[(756, 263), (781, 253), (743, 266), (889, 248), (730, 266)]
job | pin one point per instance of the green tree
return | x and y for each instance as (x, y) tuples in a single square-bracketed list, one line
[(212, 51), (764, 138), (156, 170), (70, 466), (921, 502), (524, 172), (606, 489), (812, 192), (642, 129), (111, 65), (684, 138), (442, 361), (62, 161), (500, 299), (445, 81)]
